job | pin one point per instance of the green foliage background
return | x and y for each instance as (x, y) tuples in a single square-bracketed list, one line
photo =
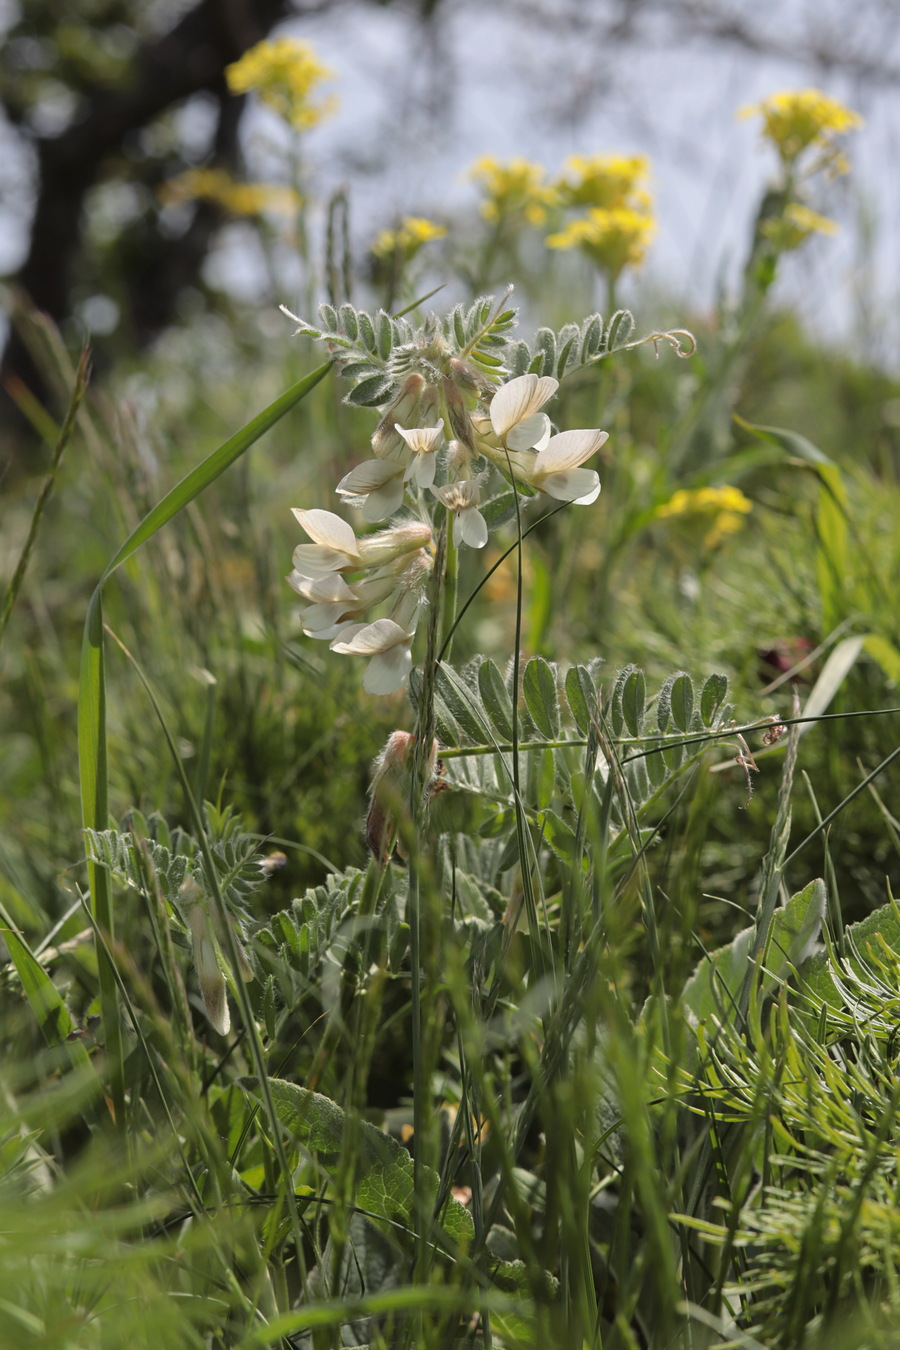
[(428, 1127)]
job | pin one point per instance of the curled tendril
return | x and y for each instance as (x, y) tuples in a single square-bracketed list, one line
[(681, 340)]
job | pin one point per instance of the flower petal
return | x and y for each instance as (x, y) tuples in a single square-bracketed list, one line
[(315, 561), (320, 590), (421, 470), (520, 398), (568, 450), (530, 432), (320, 621), (388, 671), (470, 527), (373, 638), (423, 440), (580, 486), (384, 501), (368, 476), (328, 529)]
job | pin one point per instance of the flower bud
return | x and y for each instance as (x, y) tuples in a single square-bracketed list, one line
[(458, 413), (386, 444), (389, 802), (209, 973)]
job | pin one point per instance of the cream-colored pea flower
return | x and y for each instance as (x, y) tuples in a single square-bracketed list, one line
[(334, 604), (516, 418), (389, 648), (376, 485), (423, 443), (388, 642), (556, 469), (461, 499), (337, 549)]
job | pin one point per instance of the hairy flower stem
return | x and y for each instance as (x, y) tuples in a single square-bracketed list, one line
[(416, 914), (450, 590)]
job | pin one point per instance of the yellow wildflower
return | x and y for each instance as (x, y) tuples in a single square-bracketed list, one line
[(614, 238), (239, 199), (606, 181), (513, 189), (721, 508), (407, 239), (283, 73), (795, 120), (796, 225)]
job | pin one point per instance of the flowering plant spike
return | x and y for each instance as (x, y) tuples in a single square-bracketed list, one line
[(464, 415)]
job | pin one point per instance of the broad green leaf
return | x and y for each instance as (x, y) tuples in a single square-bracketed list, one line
[(885, 653), (634, 698), (51, 1013), (541, 777), (789, 441), (496, 699), (840, 662), (367, 332), (463, 702), (559, 834), (328, 318), (616, 717), (541, 697), (500, 510), (384, 1168), (349, 322), (565, 353), (682, 701), (582, 698), (664, 704), (832, 569), (384, 334), (592, 337), (370, 393), (670, 758), (865, 937), (712, 697), (621, 327), (715, 986)]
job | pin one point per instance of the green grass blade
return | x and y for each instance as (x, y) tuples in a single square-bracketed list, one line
[(82, 376), (92, 750), (44, 998), (215, 464)]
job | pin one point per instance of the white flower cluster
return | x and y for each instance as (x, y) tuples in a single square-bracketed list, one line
[(341, 577)]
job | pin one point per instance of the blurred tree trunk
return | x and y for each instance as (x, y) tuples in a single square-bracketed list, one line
[(188, 59)]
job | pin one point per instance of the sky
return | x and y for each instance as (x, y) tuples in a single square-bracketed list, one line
[(412, 123), (509, 90)]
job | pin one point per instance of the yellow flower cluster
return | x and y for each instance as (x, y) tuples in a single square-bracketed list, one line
[(513, 190), (795, 225), (283, 73), (606, 182), (407, 239), (613, 237), (239, 199), (796, 120), (723, 508), (619, 224)]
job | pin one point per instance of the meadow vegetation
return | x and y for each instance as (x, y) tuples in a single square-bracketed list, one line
[(535, 982)]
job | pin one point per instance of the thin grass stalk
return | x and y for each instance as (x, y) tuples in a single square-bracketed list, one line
[(82, 378), (92, 743), (257, 1052), (418, 809)]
